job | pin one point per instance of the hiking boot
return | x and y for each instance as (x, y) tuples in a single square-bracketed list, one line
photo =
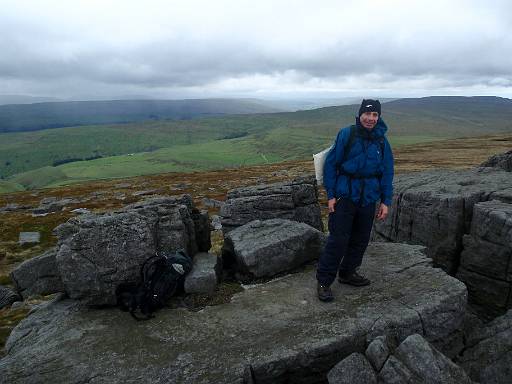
[(354, 279), (324, 293)]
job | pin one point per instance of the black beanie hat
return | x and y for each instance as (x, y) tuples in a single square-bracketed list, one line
[(369, 105)]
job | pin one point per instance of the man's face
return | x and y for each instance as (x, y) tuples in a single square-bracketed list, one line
[(369, 119)]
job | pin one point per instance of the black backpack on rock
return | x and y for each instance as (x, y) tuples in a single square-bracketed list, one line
[(160, 277)]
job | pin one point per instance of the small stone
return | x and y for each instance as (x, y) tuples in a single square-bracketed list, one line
[(204, 276), (29, 238)]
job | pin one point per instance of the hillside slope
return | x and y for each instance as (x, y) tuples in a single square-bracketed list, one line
[(226, 141)]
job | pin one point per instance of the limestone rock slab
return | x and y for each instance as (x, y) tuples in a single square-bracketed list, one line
[(296, 200), (435, 209), (205, 274), (277, 332), (352, 369), (488, 356), (98, 253), (486, 260), (266, 248)]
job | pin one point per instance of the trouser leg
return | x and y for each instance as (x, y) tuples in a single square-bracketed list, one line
[(340, 226), (359, 238)]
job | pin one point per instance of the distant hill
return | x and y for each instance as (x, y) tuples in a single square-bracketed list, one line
[(24, 99), (108, 151), (38, 116)]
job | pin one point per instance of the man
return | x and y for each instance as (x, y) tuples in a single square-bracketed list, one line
[(358, 172)]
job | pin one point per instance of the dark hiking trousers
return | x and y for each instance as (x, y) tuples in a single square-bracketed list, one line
[(349, 233)]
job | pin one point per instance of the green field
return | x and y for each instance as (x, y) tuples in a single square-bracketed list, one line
[(66, 155)]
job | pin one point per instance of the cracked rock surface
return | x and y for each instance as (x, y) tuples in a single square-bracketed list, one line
[(486, 260), (274, 332), (435, 209), (488, 355), (296, 200), (96, 253)]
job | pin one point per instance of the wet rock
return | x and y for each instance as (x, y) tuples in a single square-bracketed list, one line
[(271, 333), (205, 273), (266, 248), (38, 276), (7, 296), (435, 209), (488, 355), (485, 264), (502, 160), (29, 238), (296, 200), (352, 369)]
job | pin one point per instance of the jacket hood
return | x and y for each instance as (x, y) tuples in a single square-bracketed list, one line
[(379, 130)]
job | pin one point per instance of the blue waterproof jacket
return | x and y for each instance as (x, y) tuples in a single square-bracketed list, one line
[(366, 175)]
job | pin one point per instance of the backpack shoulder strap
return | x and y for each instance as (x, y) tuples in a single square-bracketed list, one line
[(347, 147), (349, 143)]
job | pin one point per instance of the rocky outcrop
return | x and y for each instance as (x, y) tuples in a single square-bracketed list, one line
[(269, 247), (502, 160), (486, 259), (7, 296), (177, 228), (352, 369), (52, 204), (38, 276), (275, 332), (296, 200), (488, 355), (435, 209), (96, 253), (205, 274), (415, 361)]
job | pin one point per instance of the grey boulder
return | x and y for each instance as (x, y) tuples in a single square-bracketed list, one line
[(435, 209), (416, 361), (296, 200), (269, 247), (352, 369), (488, 354), (485, 264), (38, 276), (502, 160), (98, 253), (205, 274)]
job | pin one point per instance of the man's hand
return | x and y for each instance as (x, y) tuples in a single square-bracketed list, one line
[(383, 212), (330, 204)]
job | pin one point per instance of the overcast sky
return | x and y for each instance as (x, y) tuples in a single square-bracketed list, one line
[(269, 49)]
